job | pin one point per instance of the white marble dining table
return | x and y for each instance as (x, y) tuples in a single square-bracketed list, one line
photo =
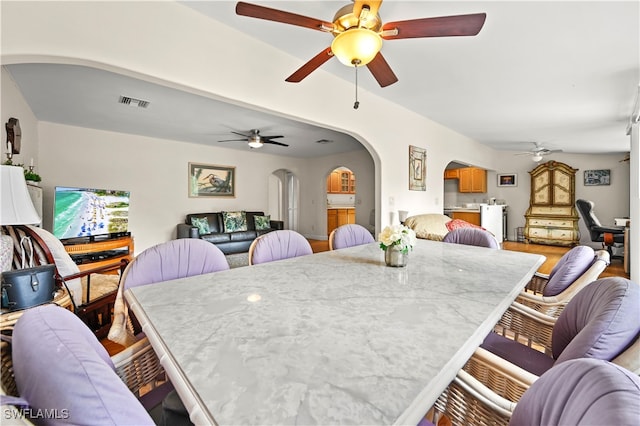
[(331, 338)]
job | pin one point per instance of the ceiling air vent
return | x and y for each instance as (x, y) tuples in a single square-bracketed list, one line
[(133, 102)]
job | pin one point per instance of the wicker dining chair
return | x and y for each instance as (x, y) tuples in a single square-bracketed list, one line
[(348, 236), (550, 293), (278, 245), (61, 367), (138, 365), (601, 322), (46, 250), (581, 392), (472, 237)]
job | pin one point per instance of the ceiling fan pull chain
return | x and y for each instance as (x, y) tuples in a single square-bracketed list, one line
[(356, 104)]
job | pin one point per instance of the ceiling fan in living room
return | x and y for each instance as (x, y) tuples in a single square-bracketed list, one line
[(538, 152), (255, 140), (358, 32)]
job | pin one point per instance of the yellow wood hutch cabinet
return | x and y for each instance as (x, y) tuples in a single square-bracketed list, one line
[(552, 218)]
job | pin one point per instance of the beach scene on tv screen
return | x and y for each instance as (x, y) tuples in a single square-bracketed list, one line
[(90, 212)]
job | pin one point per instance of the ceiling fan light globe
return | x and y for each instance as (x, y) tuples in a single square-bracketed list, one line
[(356, 46), (536, 157), (255, 144)]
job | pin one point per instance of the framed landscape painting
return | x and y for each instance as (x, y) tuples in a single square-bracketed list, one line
[(417, 168), (208, 180)]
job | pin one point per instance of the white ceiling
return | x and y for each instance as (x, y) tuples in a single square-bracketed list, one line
[(565, 74)]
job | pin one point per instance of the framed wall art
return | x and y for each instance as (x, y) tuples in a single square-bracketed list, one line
[(597, 177), (417, 168), (507, 179), (208, 180)]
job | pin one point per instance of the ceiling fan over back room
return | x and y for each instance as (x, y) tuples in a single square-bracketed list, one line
[(359, 32), (255, 140), (539, 152)]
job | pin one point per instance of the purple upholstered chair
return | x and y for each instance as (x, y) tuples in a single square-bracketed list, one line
[(348, 236), (570, 266), (600, 322), (581, 392), (550, 293), (278, 245), (472, 237), (61, 367), (175, 259)]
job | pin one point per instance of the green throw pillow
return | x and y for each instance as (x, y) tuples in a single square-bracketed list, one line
[(202, 224), (262, 222), (234, 221)]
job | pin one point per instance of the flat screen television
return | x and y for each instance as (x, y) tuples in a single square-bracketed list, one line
[(87, 212)]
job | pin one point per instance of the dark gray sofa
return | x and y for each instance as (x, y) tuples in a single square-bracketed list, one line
[(228, 242)]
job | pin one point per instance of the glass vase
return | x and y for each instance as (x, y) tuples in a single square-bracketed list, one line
[(393, 256)]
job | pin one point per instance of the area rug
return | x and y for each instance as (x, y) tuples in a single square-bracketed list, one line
[(101, 284), (238, 260)]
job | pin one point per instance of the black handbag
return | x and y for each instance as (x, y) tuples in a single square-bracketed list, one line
[(24, 288), (29, 286)]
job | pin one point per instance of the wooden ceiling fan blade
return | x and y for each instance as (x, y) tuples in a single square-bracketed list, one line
[(381, 71), (310, 66), (374, 5), (275, 143), (269, 14), (444, 26), (233, 140), (240, 134), (272, 137)]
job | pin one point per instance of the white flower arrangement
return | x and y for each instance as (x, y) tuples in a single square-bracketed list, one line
[(397, 235)]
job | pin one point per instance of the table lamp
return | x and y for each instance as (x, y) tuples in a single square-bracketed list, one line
[(16, 208)]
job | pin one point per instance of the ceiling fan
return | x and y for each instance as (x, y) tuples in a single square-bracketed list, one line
[(539, 152), (358, 33), (255, 140)]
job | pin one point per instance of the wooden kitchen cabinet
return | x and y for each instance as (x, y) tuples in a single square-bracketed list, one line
[(451, 174), (339, 217), (333, 183), (471, 217), (472, 179), (341, 182)]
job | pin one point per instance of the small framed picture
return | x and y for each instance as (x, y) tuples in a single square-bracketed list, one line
[(507, 179), (417, 168), (208, 180), (597, 177)]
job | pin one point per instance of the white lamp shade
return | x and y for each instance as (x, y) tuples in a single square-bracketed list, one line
[(16, 207)]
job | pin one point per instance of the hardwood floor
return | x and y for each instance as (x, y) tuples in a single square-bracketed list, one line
[(554, 253)]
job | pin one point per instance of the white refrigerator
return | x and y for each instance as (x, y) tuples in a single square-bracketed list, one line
[(491, 219)]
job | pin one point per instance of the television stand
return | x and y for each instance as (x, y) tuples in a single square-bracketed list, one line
[(99, 253)]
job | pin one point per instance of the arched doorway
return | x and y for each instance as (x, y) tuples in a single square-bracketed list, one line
[(283, 198)]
